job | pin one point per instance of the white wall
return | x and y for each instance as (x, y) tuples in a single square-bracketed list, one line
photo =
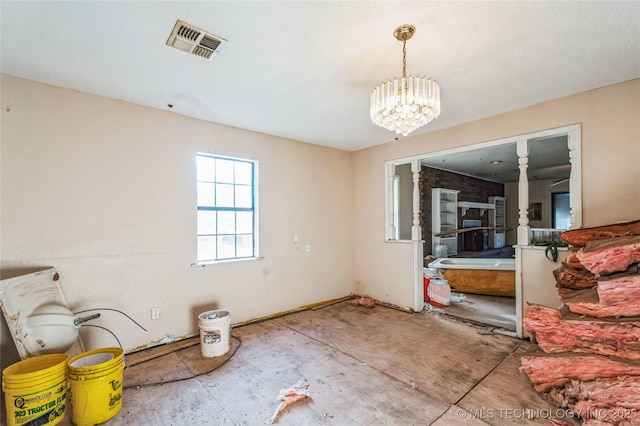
[(610, 172), (541, 289), (104, 191), (540, 192)]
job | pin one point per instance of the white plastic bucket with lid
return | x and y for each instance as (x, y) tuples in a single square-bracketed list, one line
[(214, 333), (441, 251)]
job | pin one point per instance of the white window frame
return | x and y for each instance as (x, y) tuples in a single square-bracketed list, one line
[(254, 209)]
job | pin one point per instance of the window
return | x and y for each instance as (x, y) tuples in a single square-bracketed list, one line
[(226, 208)]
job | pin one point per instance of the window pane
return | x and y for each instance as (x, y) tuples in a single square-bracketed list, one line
[(244, 173), (206, 248), (206, 193), (244, 246), (244, 222), (224, 195), (226, 246), (206, 222), (206, 168), (226, 222), (224, 171), (243, 196)]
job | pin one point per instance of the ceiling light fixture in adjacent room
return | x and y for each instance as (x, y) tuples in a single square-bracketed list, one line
[(405, 104)]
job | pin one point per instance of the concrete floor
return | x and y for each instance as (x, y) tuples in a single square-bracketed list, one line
[(364, 366), (495, 311)]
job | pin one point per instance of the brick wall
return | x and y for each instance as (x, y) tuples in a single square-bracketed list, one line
[(471, 189)]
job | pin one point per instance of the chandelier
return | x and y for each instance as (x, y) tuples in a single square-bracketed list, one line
[(405, 104)]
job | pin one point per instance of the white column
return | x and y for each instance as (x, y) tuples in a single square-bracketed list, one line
[(391, 202), (575, 181), (523, 193), (416, 236), (416, 230), (519, 300)]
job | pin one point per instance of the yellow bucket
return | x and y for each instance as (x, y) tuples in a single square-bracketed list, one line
[(35, 390), (95, 380)]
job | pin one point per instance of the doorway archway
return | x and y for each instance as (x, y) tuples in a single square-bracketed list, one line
[(529, 158)]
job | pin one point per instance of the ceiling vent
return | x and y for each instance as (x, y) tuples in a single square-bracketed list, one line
[(191, 39)]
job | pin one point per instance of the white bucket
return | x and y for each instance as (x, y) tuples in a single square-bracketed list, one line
[(214, 333), (441, 251)]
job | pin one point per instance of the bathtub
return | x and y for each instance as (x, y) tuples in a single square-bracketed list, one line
[(494, 277)]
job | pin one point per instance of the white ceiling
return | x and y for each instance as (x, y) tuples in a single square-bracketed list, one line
[(548, 159), (304, 70)]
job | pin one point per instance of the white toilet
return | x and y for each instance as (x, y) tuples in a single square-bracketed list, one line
[(51, 328), (37, 313)]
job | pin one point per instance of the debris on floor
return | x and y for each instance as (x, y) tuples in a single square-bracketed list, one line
[(367, 302), (457, 297), (429, 308), (289, 396)]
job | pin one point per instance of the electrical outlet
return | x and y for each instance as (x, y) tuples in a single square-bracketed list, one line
[(155, 313), (308, 248)]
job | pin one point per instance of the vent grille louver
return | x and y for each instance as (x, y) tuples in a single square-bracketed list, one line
[(202, 51), (188, 33), (193, 40), (210, 42)]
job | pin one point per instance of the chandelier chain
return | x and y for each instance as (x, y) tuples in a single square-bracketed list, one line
[(404, 58)]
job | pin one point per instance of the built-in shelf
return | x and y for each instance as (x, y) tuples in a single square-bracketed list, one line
[(466, 205), (445, 229), (497, 237), (444, 218)]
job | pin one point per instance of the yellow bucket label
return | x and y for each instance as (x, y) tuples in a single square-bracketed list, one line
[(42, 408), (114, 398)]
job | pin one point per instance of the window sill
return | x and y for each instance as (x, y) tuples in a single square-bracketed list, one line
[(218, 262), (534, 247)]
